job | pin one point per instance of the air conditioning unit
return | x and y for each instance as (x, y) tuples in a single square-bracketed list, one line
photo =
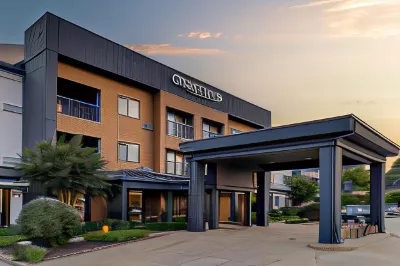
[(147, 126)]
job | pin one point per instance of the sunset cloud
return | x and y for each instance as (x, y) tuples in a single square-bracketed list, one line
[(168, 49), (360, 18), (204, 35)]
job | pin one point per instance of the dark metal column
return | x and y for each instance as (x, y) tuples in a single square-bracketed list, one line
[(330, 167), (263, 187), (247, 209), (196, 197), (214, 209), (233, 207), (169, 206), (377, 172)]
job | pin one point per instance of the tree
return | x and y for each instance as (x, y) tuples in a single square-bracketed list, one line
[(394, 173), (66, 169), (392, 197), (359, 177), (303, 189)]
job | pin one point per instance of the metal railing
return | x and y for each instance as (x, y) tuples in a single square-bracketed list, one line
[(78, 109), (176, 168), (208, 134), (180, 130)]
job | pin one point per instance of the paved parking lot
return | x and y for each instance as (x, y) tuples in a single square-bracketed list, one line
[(278, 245)]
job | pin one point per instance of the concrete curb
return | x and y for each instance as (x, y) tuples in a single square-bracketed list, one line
[(332, 247), (9, 261)]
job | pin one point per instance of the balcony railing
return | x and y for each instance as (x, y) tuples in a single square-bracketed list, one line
[(176, 168), (78, 109), (180, 130), (208, 134)]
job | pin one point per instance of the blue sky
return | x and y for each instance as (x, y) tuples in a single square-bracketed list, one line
[(301, 59)]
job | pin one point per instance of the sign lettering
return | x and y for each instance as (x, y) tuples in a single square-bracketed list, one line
[(196, 89)]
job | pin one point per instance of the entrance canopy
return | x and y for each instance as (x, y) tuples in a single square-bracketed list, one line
[(327, 144)]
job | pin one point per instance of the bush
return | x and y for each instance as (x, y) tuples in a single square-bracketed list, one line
[(311, 212), (179, 219), (114, 224), (12, 230), (29, 253), (282, 218), (290, 211), (254, 218), (297, 221), (115, 236), (6, 241), (135, 224), (174, 226), (49, 219), (90, 227)]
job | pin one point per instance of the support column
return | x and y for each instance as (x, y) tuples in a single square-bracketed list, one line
[(377, 172), (214, 209), (263, 187), (330, 168), (247, 209), (196, 197), (169, 206), (233, 207)]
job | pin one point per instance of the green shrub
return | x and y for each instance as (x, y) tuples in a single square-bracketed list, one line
[(282, 218), (290, 211), (29, 253), (179, 219), (297, 221), (311, 212), (90, 227), (12, 230), (174, 226), (135, 224), (121, 225), (254, 218), (48, 219), (6, 241), (115, 236)]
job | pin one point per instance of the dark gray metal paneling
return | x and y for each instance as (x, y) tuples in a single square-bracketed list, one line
[(330, 172), (377, 172), (310, 130), (35, 38), (87, 47), (114, 207), (263, 188), (196, 197)]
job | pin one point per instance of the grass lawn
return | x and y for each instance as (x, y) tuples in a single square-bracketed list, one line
[(116, 236), (6, 241)]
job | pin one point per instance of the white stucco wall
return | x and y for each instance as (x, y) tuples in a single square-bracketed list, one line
[(10, 122)]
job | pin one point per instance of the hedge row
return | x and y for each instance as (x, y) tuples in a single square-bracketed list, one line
[(116, 236), (297, 221)]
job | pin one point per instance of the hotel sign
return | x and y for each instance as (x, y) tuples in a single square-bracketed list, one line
[(196, 89)]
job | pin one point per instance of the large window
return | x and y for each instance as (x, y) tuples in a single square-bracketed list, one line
[(179, 125), (211, 129), (235, 131), (128, 107), (175, 163), (129, 152), (135, 202)]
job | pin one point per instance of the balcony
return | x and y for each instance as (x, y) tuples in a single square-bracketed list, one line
[(78, 109), (179, 130), (208, 134)]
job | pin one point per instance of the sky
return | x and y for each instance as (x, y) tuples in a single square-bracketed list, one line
[(301, 59)]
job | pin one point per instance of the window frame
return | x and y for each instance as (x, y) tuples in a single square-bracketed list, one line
[(174, 162), (127, 106), (127, 144)]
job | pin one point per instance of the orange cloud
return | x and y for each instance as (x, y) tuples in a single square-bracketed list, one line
[(204, 35), (168, 49), (360, 18)]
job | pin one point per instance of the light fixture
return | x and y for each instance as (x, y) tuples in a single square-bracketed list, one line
[(308, 158)]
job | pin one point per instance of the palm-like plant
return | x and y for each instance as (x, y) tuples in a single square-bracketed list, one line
[(66, 169)]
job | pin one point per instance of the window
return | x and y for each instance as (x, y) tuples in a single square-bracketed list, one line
[(211, 129), (276, 201), (12, 108), (175, 163), (128, 107), (179, 125), (235, 131), (129, 152)]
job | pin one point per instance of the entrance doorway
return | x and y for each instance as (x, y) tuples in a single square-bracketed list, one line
[(232, 207)]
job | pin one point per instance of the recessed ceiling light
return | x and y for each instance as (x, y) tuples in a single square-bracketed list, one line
[(271, 162), (308, 158)]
